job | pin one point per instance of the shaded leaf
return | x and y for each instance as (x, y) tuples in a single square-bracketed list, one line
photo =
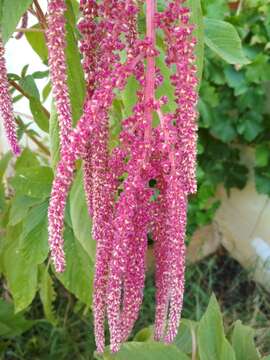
[(34, 181), (80, 220), (147, 351), (12, 11), (12, 324), (39, 114), (34, 237), (243, 342), (47, 294), (78, 275), (211, 332), (21, 275), (223, 39)]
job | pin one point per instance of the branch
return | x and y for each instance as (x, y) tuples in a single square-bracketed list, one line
[(40, 15), (23, 30)]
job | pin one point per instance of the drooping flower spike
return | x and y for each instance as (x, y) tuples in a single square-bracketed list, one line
[(125, 210), (56, 42), (6, 108)]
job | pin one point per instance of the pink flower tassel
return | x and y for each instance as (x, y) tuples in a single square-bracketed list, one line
[(177, 210), (58, 69), (6, 108)]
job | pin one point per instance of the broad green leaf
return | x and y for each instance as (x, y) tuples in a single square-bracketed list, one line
[(243, 342), (223, 39), (27, 159), (186, 331), (37, 41), (12, 11), (145, 334), (76, 82), (12, 324), (34, 236), (80, 220), (39, 114), (19, 208), (227, 352), (47, 294), (210, 332), (197, 19), (21, 275), (34, 182), (78, 276), (147, 351)]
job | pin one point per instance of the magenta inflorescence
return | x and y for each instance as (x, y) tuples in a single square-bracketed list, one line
[(6, 108), (137, 189)]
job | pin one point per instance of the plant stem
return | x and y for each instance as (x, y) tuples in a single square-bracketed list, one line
[(40, 15), (150, 69), (29, 30)]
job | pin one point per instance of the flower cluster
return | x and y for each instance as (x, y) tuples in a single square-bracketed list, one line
[(139, 189), (6, 108)]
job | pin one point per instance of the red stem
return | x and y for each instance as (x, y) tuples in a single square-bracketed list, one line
[(150, 68)]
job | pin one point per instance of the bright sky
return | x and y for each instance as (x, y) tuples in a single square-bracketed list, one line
[(18, 54)]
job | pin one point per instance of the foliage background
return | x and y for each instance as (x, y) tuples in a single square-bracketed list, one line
[(47, 316)]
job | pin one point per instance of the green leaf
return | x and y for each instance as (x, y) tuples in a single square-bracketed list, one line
[(147, 351), (197, 19), (34, 237), (145, 334), (243, 342), (80, 220), (29, 86), (78, 276), (19, 208), (227, 352), (37, 41), (12, 324), (39, 114), (262, 155), (76, 82), (183, 338), (46, 91), (12, 11), (27, 159), (223, 39), (21, 275), (210, 332), (47, 294), (34, 182), (263, 183)]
